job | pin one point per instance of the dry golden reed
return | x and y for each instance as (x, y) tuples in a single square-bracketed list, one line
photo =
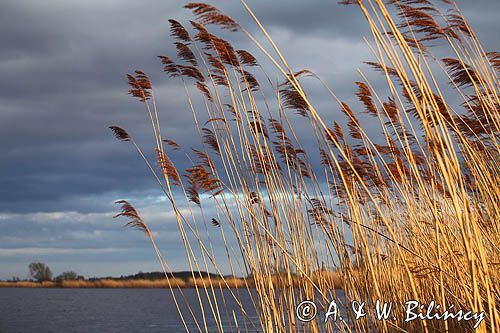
[(306, 199)]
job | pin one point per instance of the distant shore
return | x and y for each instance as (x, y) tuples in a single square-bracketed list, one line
[(205, 282), (135, 283)]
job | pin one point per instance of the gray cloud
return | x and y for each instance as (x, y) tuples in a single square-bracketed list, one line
[(62, 67)]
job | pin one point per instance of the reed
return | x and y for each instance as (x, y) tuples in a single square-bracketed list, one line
[(22, 284), (111, 283), (408, 214)]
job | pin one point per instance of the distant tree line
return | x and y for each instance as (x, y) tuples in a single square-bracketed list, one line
[(41, 272), (183, 275)]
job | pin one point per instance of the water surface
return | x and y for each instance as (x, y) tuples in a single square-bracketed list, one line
[(54, 310), (25, 310)]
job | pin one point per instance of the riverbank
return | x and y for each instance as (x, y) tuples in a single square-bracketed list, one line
[(110, 283), (333, 278)]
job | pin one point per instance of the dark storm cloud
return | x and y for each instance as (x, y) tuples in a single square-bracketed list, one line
[(62, 67)]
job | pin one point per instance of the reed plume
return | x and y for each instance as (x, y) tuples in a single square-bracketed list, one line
[(304, 205)]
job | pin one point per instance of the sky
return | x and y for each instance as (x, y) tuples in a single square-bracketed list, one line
[(62, 83)]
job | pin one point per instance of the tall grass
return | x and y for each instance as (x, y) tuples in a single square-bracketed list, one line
[(98, 283), (410, 213), (132, 283)]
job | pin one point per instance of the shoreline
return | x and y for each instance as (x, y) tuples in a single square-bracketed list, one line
[(335, 282), (139, 283)]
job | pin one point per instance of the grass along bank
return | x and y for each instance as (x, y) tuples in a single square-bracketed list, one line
[(333, 280)]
